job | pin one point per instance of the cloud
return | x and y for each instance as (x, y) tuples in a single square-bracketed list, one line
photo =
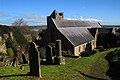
[(72, 18), (5, 18), (30, 18), (85, 19), (93, 19), (35, 19), (2, 14)]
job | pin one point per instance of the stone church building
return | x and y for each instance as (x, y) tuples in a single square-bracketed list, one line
[(74, 34)]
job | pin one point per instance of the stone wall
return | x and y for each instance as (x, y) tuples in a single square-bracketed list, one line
[(78, 49)]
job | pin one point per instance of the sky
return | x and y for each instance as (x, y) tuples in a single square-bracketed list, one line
[(35, 11)]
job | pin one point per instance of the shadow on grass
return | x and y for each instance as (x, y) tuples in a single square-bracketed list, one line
[(92, 77), (113, 59), (13, 75)]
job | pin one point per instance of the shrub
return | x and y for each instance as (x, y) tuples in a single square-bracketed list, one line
[(19, 37), (10, 52), (68, 52), (10, 43)]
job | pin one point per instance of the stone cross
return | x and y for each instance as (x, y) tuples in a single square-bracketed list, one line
[(58, 47), (58, 59), (34, 59)]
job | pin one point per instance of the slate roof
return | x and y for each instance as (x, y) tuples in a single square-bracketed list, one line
[(76, 31), (76, 35), (76, 23)]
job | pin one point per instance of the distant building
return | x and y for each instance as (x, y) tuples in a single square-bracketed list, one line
[(74, 34)]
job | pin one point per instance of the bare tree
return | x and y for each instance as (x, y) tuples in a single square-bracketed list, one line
[(19, 22)]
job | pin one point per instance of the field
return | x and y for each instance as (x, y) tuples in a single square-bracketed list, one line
[(85, 68)]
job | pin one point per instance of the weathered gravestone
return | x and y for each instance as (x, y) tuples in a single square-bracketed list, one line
[(15, 58), (24, 60), (49, 55), (58, 59), (34, 58)]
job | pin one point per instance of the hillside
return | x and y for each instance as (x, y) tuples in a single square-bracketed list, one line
[(110, 26), (4, 29), (22, 34), (85, 68)]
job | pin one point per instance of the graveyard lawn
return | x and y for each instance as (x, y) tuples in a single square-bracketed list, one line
[(85, 68)]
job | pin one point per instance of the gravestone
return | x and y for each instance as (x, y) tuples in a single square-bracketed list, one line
[(34, 59), (58, 59), (15, 58), (24, 60), (2, 58), (49, 55)]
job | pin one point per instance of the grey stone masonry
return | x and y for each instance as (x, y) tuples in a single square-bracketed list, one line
[(58, 59), (58, 47)]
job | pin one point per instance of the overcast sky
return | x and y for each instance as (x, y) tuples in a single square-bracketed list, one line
[(35, 11)]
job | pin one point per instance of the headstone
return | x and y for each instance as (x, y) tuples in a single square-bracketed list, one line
[(42, 52), (15, 59), (24, 60), (34, 60), (49, 55), (2, 59), (22, 67)]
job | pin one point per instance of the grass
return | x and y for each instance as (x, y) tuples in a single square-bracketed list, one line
[(95, 66)]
